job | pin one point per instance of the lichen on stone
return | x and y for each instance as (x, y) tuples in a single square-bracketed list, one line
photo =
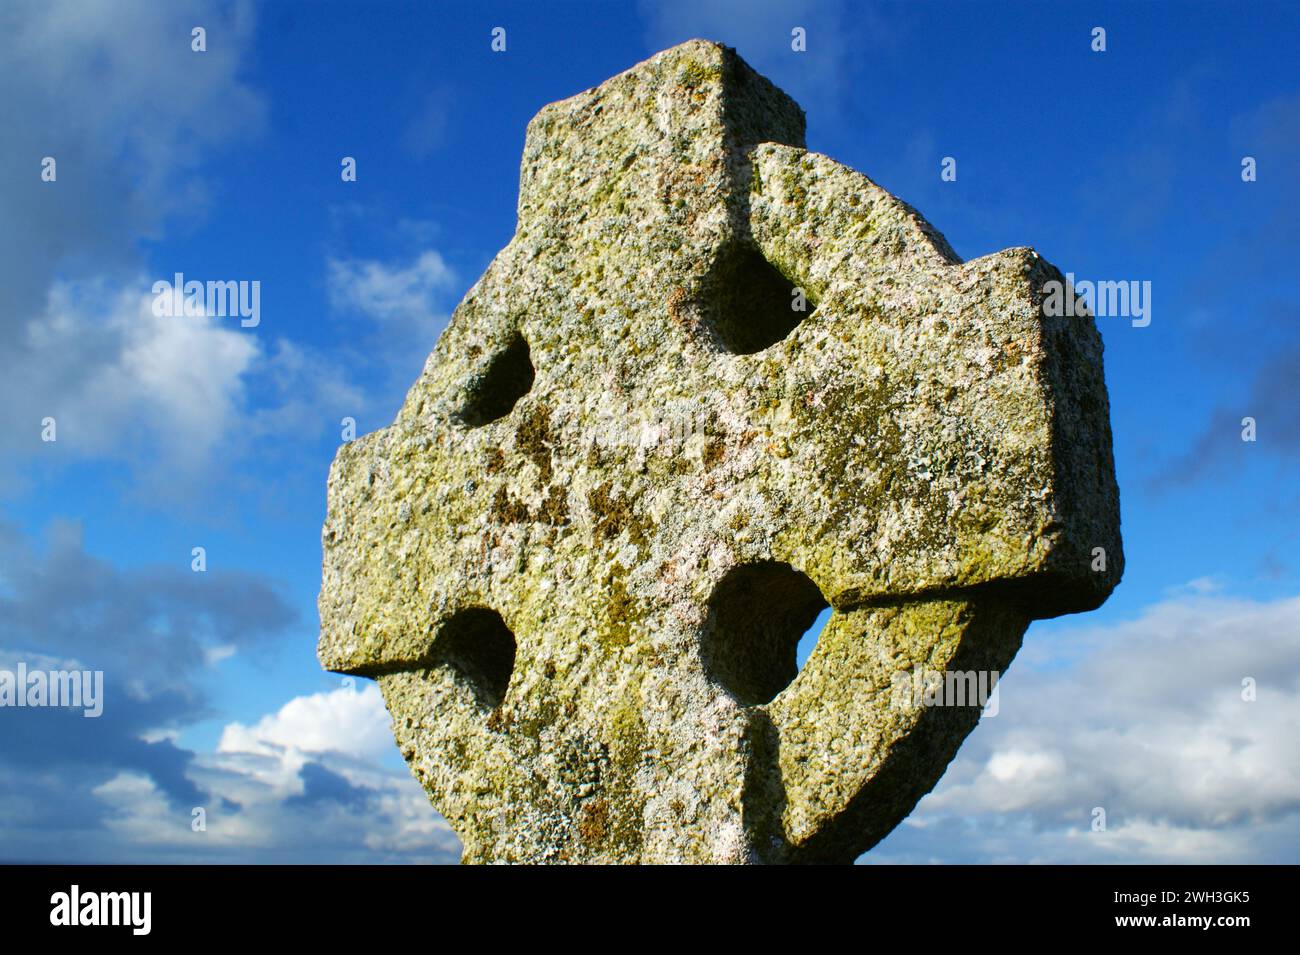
[(579, 559)]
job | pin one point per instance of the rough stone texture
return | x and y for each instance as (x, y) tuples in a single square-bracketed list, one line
[(631, 474)]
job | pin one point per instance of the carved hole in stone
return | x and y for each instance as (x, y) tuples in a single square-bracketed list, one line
[(757, 616), (478, 646), (749, 303), (508, 378)]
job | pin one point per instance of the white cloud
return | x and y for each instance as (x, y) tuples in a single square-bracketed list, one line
[(136, 121), (352, 722), (113, 93), (166, 393), (391, 294), (314, 780), (401, 304), (1148, 723), (106, 368), (141, 811), (260, 804), (301, 391), (1146, 720)]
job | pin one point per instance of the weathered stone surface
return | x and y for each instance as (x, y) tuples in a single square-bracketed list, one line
[(631, 474)]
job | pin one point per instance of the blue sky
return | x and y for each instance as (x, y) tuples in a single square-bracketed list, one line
[(1121, 165)]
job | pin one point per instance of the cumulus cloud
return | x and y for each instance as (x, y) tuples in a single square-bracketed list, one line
[(1145, 720), (351, 723), (298, 390), (135, 122), (113, 94), (306, 783), (396, 309), (167, 391), (303, 784), (151, 630), (401, 299), (112, 374)]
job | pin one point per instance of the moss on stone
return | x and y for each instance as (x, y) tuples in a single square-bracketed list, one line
[(922, 440)]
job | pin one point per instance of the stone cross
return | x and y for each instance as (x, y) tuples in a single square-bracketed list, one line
[(714, 385)]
